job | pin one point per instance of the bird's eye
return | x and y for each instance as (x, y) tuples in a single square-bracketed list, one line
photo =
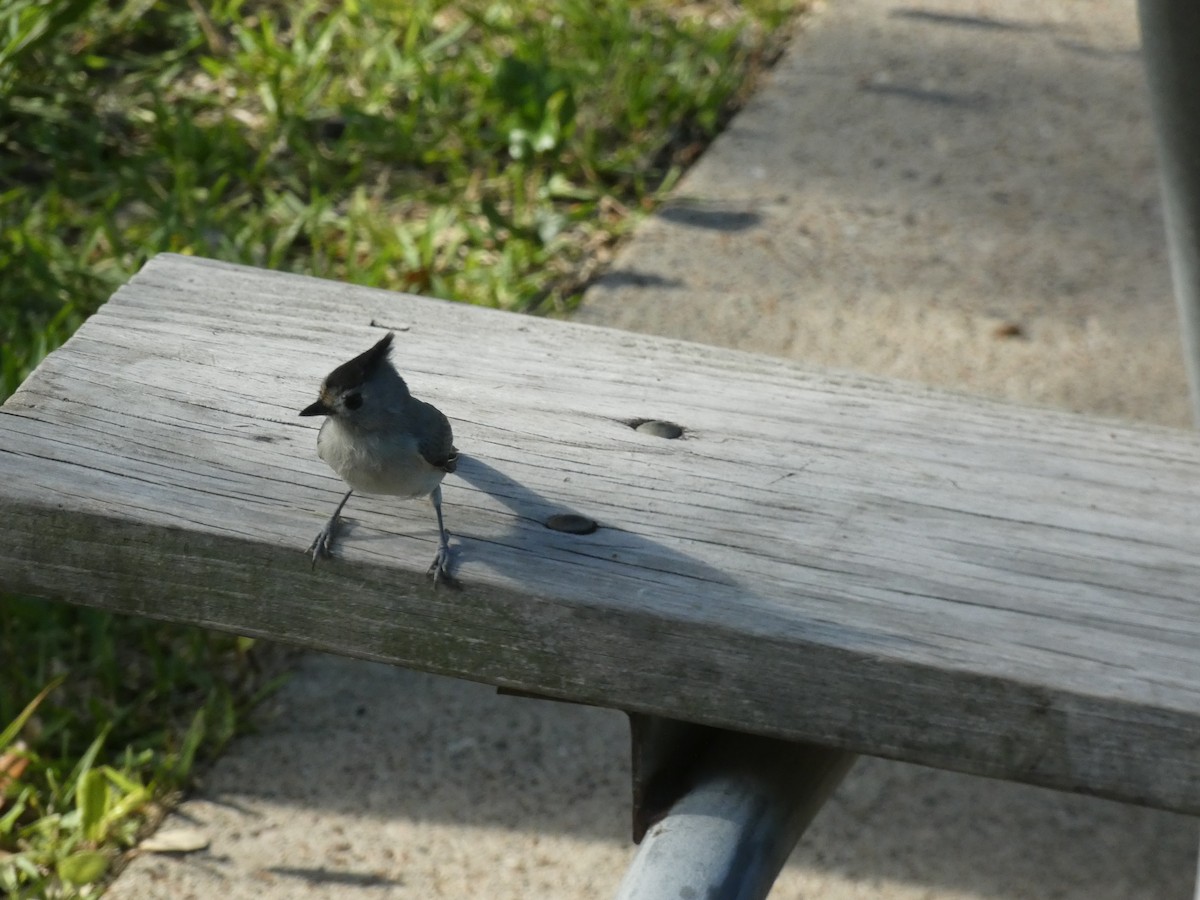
[(352, 401)]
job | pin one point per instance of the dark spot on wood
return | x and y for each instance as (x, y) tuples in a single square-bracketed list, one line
[(375, 323), (657, 428), (571, 523)]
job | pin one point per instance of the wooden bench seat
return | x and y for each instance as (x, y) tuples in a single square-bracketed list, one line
[(821, 557)]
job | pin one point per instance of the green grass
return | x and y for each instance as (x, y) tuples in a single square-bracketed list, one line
[(127, 708), (485, 151)]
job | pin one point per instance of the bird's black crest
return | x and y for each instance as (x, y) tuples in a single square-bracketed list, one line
[(358, 370)]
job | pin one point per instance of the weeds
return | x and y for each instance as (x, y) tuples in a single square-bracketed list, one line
[(106, 717)]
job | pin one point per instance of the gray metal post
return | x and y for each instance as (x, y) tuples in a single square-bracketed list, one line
[(729, 835), (1171, 51)]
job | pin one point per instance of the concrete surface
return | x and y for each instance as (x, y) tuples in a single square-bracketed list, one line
[(915, 178), (961, 193)]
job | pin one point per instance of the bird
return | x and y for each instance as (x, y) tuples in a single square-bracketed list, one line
[(382, 440)]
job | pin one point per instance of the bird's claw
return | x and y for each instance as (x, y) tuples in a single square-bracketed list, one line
[(439, 569), (322, 542)]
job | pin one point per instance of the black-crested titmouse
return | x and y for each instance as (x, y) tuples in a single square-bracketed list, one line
[(382, 440)]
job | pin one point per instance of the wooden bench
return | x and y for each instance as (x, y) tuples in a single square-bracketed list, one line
[(823, 558)]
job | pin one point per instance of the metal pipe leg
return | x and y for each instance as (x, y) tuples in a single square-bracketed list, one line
[(1170, 43), (1171, 52), (749, 800)]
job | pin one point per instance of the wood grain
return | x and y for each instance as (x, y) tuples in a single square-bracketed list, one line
[(839, 559)]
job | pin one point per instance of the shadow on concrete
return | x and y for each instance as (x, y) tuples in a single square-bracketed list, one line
[(711, 217), (984, 23), (326, 876), (636, 278)]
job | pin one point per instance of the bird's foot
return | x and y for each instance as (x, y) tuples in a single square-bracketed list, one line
[(320, 547), (439, 569)]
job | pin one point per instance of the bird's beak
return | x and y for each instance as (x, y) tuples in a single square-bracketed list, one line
[(317, 409)]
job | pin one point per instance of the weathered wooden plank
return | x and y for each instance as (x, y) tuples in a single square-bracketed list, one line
[(826, 557)]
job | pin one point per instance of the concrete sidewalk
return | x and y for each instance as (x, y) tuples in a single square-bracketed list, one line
[(960, 193)]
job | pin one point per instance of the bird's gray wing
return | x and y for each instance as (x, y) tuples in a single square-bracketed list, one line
[(437, 438)]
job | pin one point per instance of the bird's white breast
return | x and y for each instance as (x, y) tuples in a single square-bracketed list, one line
[(377, 464)]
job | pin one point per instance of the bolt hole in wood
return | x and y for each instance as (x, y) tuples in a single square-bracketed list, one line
[(657, 428), (571, 523)]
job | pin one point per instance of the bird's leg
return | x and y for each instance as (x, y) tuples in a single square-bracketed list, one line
[(321, 543), (439, 571)]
